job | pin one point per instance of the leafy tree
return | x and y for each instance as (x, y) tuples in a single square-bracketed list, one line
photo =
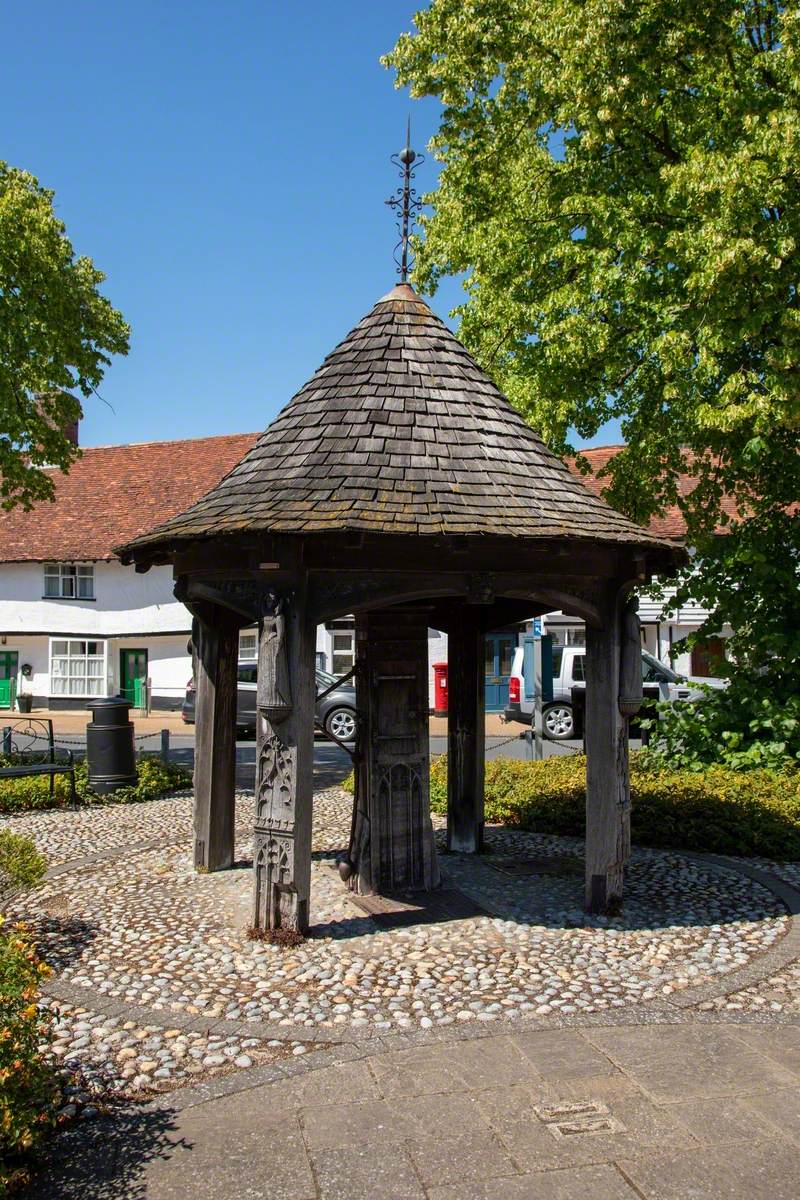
[(56, 335), (620, 192)]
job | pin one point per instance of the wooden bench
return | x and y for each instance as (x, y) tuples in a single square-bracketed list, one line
[(29, 748)]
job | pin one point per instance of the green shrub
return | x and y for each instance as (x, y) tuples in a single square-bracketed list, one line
[(29, 1089), (21, 864), (718, 810), (154, 778), (738, 727)]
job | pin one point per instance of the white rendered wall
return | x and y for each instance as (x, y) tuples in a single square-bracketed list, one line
[(125, 603)]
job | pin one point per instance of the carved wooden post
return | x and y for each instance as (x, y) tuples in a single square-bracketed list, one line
[(392, 846), (284, 765), (216, 654), (608, 800), (466, 722)]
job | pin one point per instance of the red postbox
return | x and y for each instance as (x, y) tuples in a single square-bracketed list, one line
[(440, 689)]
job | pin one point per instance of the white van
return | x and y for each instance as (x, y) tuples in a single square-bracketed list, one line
[(568, 672)]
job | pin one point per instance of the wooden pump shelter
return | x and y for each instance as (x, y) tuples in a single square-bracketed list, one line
[(401, 486)]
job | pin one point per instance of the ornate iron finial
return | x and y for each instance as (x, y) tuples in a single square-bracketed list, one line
[(405, 203)]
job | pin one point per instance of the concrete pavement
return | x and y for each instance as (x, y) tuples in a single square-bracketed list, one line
[(612, 1112)]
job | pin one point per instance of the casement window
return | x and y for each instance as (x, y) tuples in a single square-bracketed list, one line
[(343, 646), (69, 581), (77, 667), (248, 645)]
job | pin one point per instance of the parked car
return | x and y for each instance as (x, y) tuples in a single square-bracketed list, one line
[(335, 713), (659, 681)]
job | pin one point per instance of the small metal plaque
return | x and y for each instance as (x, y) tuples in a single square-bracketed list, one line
[(578, 1119)]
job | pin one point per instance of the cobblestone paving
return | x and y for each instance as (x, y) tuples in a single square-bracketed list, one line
[(143, 931), (115, 1055)]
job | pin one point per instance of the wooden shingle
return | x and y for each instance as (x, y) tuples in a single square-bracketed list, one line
[(399, 411)]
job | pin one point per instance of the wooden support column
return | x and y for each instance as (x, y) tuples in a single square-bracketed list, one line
[(216, 655), (466, 723), (608, 799), (391, 845), (284, 765)]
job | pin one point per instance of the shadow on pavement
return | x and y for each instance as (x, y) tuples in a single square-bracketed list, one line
[(105, 1159)]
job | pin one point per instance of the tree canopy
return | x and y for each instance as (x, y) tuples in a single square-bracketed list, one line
[(57, 333), (620, 191)]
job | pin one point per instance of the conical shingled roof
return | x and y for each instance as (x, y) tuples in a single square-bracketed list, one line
[(400, 431)]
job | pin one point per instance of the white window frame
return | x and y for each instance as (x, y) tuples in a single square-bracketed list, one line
[(65, 667), (346, 652), (68, 581), (248, 645)]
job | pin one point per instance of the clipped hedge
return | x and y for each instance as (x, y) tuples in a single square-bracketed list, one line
[(154, 778), (718, 810)]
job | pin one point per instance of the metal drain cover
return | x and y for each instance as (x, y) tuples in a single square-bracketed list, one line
[(575, 1119)]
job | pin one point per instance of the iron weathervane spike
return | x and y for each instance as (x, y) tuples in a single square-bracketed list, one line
[(405, 203)]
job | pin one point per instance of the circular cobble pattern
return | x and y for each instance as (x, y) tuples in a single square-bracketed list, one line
[(132, 928), (118, 1055)]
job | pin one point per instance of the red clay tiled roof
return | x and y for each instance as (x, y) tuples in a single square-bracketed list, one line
[(671, 523), (114, 493)]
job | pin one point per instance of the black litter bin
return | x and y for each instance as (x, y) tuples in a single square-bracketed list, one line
[(110, 753), (24, 702)]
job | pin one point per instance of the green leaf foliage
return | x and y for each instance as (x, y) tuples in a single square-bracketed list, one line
[(29, 1089), (21, 864), (57, 333), (741, 729), (154, 778), (620, 194)]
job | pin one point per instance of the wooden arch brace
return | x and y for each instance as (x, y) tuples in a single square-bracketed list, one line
[(284, 765)]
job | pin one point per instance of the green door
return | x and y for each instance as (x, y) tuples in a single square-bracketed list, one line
[(133, 676), (9, 662)]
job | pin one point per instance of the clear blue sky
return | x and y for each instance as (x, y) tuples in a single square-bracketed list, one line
[(226, 167)]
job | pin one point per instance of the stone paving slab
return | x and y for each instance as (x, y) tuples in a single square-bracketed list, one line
[(581, 1183), (756, 1171), (687, 1061), (341, 1132)]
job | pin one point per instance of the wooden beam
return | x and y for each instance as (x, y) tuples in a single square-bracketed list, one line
[(608, 802), (216, 658), (284, 765), (466, 721)]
